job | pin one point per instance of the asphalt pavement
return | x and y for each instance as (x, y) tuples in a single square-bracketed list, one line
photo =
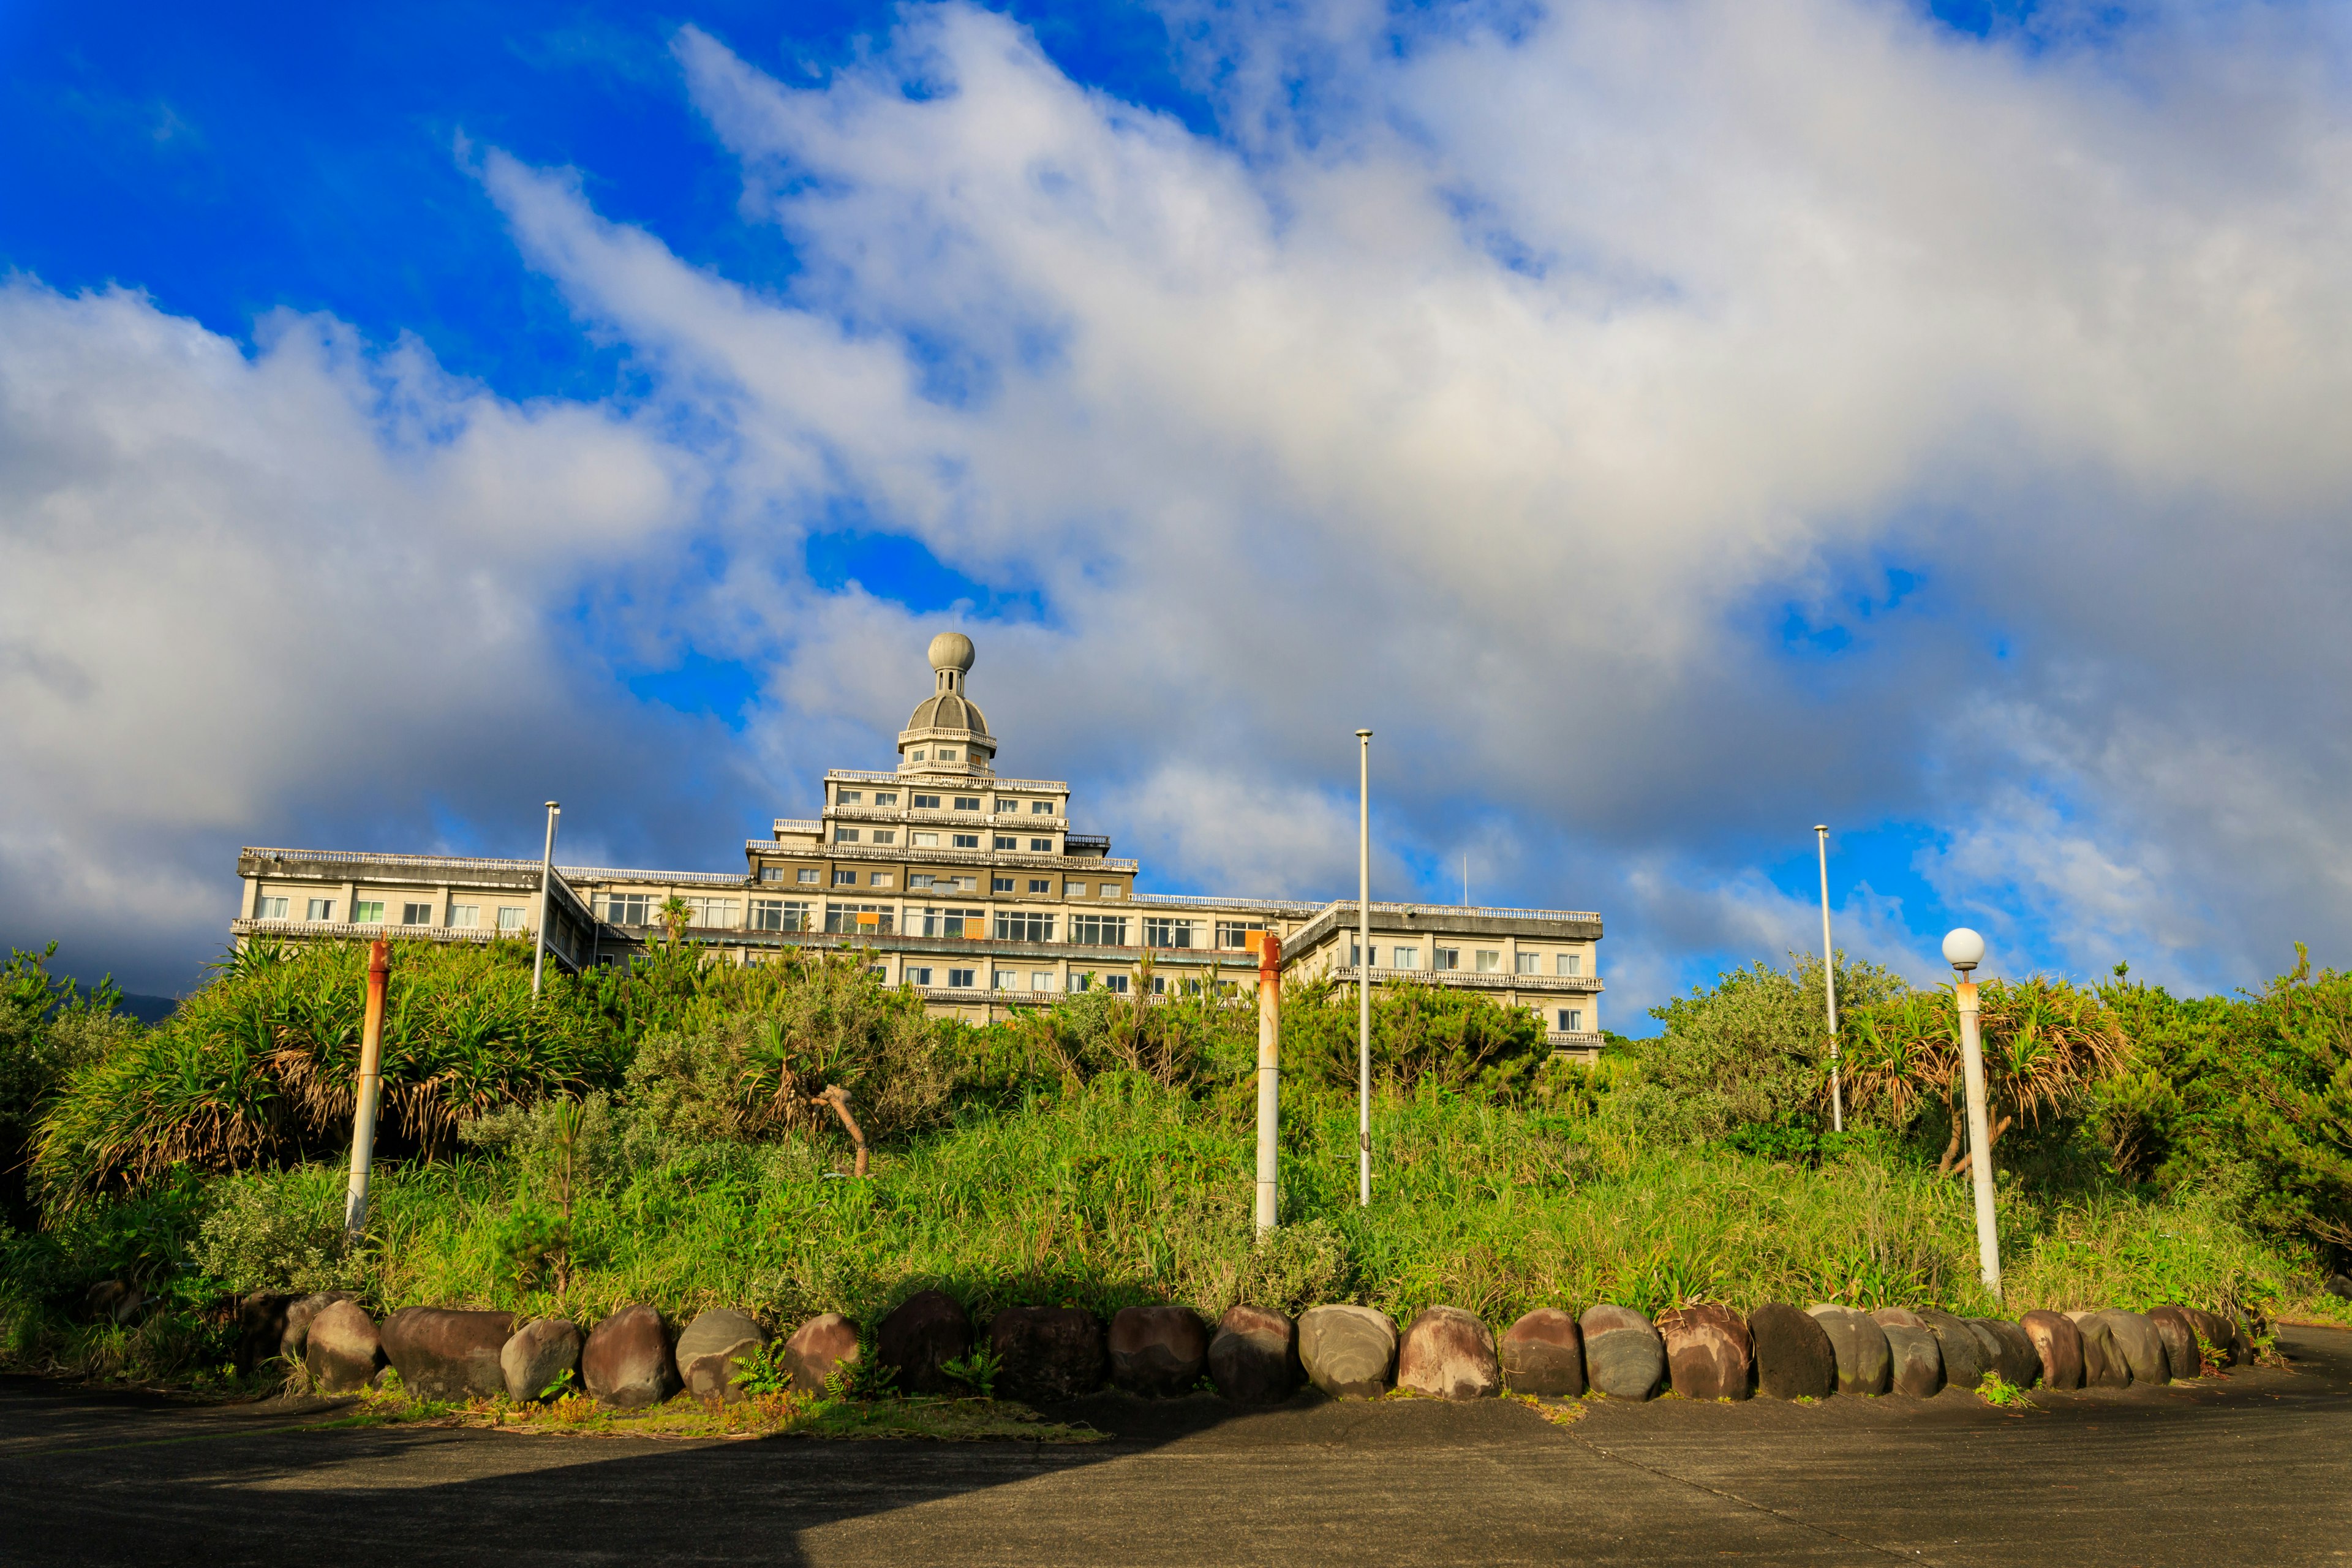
[(2254, 1468)]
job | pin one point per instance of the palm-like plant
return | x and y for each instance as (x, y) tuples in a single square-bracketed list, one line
[(675, 914)]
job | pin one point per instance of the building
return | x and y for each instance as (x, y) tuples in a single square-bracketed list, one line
[(968, 886)]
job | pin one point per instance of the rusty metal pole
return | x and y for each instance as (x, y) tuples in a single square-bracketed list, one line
[(1269, 1077), (371, 1089)]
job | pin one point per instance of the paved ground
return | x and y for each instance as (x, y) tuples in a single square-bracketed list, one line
[(2256, 1470)]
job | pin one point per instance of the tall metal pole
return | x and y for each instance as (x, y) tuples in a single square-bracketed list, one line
[(370, 1091), (546, 875), (1829, 983), (1364, 968), (1964, 948), (1269, 1075)]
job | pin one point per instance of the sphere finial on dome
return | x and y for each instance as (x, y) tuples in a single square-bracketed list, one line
[(951, 650)]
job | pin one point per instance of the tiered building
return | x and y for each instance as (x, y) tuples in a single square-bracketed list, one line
[(967, 887)]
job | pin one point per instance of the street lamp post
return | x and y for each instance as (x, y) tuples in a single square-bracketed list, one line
[(546, 875), (1829, 982), (1364, 968), (1964, 950)]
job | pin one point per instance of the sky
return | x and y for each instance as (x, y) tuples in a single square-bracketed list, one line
[(1667, 425)]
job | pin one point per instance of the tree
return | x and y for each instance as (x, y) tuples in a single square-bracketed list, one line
[(675, 914)]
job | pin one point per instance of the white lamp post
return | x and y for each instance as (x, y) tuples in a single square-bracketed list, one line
[(1829, 983), (1964, 950), (546, 875), (1364, 968)]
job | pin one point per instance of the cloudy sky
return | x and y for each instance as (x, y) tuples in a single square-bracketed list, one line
[(1667, 425)]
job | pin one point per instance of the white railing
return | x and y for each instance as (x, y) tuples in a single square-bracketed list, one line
[(1477, 980), (907, 853), (1248, 906), (867, 775), (485, 863), (796, 825)]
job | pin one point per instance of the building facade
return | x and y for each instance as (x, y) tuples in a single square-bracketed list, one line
[(969, 888)]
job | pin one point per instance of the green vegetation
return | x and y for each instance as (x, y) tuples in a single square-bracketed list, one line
[(662, 1135)]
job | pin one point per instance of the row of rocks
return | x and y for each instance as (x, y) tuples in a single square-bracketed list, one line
[(1253, 1354)]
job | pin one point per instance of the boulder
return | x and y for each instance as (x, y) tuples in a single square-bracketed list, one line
[(2015, 1357), (1896, 1317), (1449, 1353), (1158, 1352), (113, 1301), (712, 1349), (2058, 1345), (2216, 1333), (299, 1314), (2103, 1360), (1623, 1356), (341, 1348), (1916, 1362), (2142, 1347), (824, 1345), (1708, 1352), (626, 1363), (1348, 1351), (2340, 1284), (1049, 1353), (1864, 1364), (538, 1353), (2180, 1337), (1254, 1355), (1968, 1353), (1543, 1353), (444, 1354), (922, 1333), (1794, 1358), (260, 1328)]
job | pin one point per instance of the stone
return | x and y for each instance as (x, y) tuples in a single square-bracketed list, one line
[(1049, 1353), (2142, 1347), (2015, 1357), (1794, 1358), (113, 1301), (298, 1315), (1158, 1352), (2180, 1337), (538, 1353), (341, 1348), (1915, 1361), (1968, 1354), (2103, 1360), (1543, 1353), (1864, 1364), (2058, 1345), (1449, 1353), (1894, 1317), (1348, 1351), (921, 1334), (444, 1354), (2340, 1284), (1708, 1352), (260, 1327), (626, 1363), (712, 1349), (2215, 1332), (1623, 1356), (1254, 1355), (825, 1345)]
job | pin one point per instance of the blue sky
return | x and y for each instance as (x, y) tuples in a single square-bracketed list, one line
[(1668, 427)]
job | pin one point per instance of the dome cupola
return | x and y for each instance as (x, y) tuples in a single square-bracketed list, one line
[(948, 734)]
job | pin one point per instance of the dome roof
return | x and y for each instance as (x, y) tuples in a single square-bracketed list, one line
[(951, 650), (948, 711)]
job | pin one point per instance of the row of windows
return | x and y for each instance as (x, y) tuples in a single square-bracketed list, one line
[(1042, 980), (1483, 960), (931, 803), (370, 913)]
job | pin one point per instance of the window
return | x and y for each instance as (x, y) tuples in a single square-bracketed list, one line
[(717, 914), (465, 917), (844, 836), (886, 797), (269, 909), (1041, 846), (963, 884), (1167, 932), (1489, 961), (965, 840), (967, 803), (1448, 958), (1006, 980), (850, 920), (924, 840), (1041, 980), (1110, 891), (1023, 925), (1117, 983), (1006, 841), (918, 974), (947, 754), (1074, 890), (1000, 884), (775, 915), (914, 756), (1572, 1020), (1571, 964), (1108, 931), (879, 970), (1235, 933), (1041, 808), (919, 879), (1041, 884), (322, 910), (955, 922), (808, 874), (885, 835), (511, 917), (1008, 805), (927, 803), (852, 796), (845, 879), (1407, 957), (1530, 963), (367, 912), (772, 873), (881, 878), (628, 909), (962, 979), (1159, 985), (414, 914)]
